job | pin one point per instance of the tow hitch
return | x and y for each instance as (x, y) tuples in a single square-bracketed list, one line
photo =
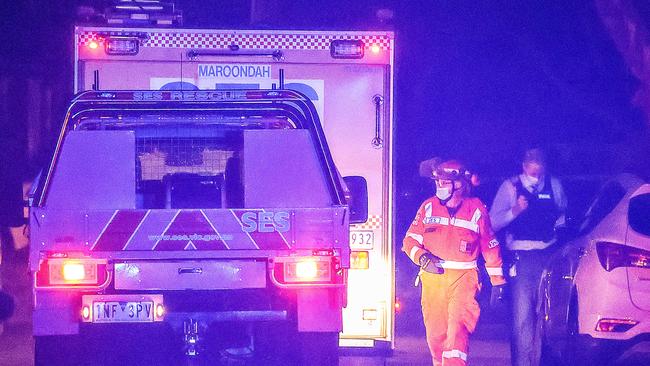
[(191, 337)]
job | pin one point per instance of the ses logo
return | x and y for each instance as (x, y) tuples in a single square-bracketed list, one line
[(265, 222)]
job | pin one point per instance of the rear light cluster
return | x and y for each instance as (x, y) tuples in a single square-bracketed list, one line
[(60, 270), (307, 270), (323, 267), (359, 260), (613, 255), (296, 270), (615, 325)]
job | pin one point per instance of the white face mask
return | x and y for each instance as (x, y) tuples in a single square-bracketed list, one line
[(443, 193), (532, 180)]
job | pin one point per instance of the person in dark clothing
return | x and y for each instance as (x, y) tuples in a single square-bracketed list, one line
[(528, 208), (6, 305)]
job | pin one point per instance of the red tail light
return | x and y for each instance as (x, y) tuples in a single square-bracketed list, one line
[(613, 255), (64, 272), (306, 270)]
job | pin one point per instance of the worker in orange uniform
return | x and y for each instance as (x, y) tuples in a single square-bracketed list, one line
[(446, 236)]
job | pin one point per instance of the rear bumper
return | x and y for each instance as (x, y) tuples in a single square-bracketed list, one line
[(233, 290), (631, 351), (604, 294), (59, 312), (176, 319)]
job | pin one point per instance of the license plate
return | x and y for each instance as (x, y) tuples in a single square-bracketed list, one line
[(362, 239), (123, 311)]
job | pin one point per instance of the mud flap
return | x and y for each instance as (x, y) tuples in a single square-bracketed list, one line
[(320, 310)]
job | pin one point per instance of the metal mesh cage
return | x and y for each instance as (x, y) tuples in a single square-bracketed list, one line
[(159, 157)]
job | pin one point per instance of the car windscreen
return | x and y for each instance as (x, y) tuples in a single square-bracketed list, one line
[(639, 214)]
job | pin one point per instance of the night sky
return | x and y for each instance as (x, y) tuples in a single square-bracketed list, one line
[(474, 80)]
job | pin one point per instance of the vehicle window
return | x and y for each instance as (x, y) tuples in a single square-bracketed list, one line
[(638, 214), (606, 200), (184, 172)]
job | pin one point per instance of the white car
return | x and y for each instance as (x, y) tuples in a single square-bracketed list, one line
[(595, 292)]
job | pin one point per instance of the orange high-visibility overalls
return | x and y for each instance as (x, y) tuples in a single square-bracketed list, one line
[(449, 306)]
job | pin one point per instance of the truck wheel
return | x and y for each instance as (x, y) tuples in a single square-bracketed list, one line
[(319, 348), (57, 350)]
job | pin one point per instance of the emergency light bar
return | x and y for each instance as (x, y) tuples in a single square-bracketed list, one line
[(122, 46), (347, 49), (144, 12)]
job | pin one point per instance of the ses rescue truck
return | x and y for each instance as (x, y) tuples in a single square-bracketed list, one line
[(196, 186)]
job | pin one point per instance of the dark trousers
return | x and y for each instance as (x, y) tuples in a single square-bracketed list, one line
[(524, 287)]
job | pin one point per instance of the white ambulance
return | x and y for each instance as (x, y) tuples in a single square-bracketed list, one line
[(348, 76)]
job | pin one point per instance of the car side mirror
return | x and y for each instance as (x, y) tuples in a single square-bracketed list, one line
[(6, 305), (358, 198)]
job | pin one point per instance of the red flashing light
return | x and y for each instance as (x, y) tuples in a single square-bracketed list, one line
[(65, 272), (375, 49), (307, 270), (297, 270), (93, 45)]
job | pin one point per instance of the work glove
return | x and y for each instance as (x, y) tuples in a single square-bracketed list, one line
[(497, 297), (430, 263)]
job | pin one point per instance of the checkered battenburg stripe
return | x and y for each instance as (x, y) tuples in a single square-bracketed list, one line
[(247, 41), (374, 222)]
